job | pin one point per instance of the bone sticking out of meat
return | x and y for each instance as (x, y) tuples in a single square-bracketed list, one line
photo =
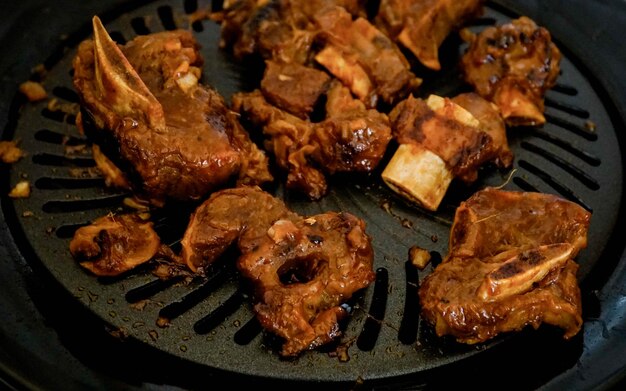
[(510, 265), (142, 104), (422, 26), (300, 268), (363, 58), (438, 140), (513, 65), (112, 245)]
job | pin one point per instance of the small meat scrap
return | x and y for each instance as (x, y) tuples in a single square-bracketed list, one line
[(510, 265), (363, 58), (351, 138), (33, 91), (419, 257), (112, 245), (513, 65), (20, 190), (422, 26), (301, 268), (440, 140), (171, 137), (9, 152), (293, 87)]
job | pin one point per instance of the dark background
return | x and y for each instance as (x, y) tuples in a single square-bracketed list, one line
[(48, 341)]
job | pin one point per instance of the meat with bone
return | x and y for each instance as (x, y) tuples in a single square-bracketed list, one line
[(363, 58), (422, 26), (350, 139), (301, 268), (510, 265), (439, 140), (513, 65), (143, 104)]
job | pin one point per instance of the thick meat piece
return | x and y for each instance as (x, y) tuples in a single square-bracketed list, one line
[(513, 65), (510, 265), (144, 105), (240, 215), (301, 268), (350, 139), (293, 87), (112, 245), (281, 30), (302, 271), (363, 58), (422, 26)]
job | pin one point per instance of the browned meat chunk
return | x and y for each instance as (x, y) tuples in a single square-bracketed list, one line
[(240, 215), (350, 139), (488, 114), (422, 26), (363, 58), (112, 245), (281, 30), (302, 271), (510, 265), (293, 87), (145, 104), (513, 65)]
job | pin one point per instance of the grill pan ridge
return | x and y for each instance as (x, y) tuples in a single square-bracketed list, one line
[(576, 155)]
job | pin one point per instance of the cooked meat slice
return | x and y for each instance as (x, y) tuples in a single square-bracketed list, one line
[(363, 58), (112, 245), (281, 30), (293, 87), (510, 265), (302, 271), (422, 26), (145, 104), (240, 215), (488, 114), (440, 140), (352, 139), (513, 65)]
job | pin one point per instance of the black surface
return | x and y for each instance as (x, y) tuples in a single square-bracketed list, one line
[(49, 341)]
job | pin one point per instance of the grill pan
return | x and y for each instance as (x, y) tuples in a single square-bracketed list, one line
[(212, 333)]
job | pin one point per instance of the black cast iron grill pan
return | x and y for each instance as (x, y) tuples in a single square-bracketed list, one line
[(209, 321)]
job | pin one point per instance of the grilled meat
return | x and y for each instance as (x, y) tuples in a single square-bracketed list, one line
[(422, 26), (350, 139), (513, 65), (440, 140), (301, 268), (112, 245), (143, 105), (510, 265)]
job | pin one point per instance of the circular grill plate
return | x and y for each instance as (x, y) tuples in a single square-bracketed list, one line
[(213, 323)]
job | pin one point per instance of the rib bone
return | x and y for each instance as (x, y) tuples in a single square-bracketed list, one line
[(119, 83), (523, 270)]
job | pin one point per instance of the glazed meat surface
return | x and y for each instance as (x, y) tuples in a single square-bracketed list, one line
[(510, 265), (301, 269), (422, 26), (513, 65), (143, 104), (350, 139)]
